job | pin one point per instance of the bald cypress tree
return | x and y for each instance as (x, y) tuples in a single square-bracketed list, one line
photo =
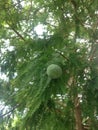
[(49, 58)]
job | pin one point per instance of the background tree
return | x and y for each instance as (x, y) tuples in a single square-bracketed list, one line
[(35, 100)]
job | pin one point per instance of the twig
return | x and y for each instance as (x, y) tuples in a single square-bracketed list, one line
[(61, 54), (9, 111), (19, 35)]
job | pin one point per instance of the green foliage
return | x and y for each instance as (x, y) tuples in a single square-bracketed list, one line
[(68, 43)]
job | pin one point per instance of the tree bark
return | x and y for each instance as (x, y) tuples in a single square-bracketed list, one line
[(77, 114)]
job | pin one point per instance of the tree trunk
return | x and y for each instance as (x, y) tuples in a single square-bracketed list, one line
[(77, 114)]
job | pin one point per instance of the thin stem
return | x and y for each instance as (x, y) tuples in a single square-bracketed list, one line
[(9, 111)]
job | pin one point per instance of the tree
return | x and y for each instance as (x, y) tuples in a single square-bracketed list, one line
[(35, 99)]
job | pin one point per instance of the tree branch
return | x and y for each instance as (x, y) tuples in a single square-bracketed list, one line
[(60, 53), (19, 35), (9, 111)]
